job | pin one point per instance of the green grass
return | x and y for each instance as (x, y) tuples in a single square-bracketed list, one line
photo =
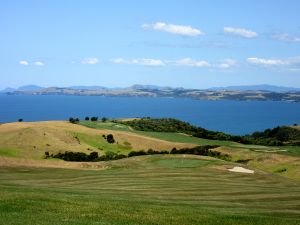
[(99, 143), (147, 190), (176, 137), (182, 162), (105, 125), (11, 152)]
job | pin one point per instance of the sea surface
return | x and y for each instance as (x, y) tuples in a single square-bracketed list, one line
[(234, 117)]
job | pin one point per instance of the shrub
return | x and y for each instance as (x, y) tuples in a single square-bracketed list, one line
[(73, 120), (94, 118), (110, 138)]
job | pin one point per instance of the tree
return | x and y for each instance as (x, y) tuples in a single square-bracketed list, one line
[(72, 120), (110, 138), (94, 118), (87, 118), (20, 120), (104, 119), (93, 156), (47, 155)]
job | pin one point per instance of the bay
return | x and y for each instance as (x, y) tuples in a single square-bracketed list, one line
[(234, 117)]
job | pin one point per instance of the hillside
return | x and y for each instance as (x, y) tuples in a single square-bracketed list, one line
[(162, 189), (278, 136), (32, 139), (288, 135), (20, 143)]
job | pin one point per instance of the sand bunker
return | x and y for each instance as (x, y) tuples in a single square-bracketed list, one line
[(239, 169)]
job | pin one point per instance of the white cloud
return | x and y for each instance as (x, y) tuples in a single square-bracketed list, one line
[(90, 61), (286, 37), (267, 62), (188, 62), (192, 62), (39, 63), (24, 63), (226, 64), (143, 62), (290, 64), (241, 32), (184, 30)]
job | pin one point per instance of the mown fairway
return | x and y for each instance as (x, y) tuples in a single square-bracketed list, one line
[(148, 190)]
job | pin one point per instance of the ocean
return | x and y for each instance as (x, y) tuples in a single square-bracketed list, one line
[(234, 117)]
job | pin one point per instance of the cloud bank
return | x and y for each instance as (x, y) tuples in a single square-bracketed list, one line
[(286, 37), (291, 63), (184, 62), (143, 62)]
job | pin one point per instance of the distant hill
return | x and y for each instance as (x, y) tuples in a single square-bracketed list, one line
[(23, 88), (30, 88), (87, 87), (240, 93), (149, 87), (261, 87), (8, 90)]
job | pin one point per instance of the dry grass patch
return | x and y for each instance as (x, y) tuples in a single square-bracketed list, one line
[(34, 138)]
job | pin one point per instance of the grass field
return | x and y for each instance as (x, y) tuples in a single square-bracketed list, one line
[(147, 190), (157, 189)]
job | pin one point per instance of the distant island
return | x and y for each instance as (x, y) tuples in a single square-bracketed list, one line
[(240, 93)]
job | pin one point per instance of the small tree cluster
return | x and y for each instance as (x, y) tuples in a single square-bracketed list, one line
[(83, 157), (74, 120), (74, 156), (110, 139), (94, 118)]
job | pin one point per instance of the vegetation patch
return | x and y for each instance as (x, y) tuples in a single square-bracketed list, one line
[(11, 152), (94, 157), (281, 170), (104, 142), (244, 161)]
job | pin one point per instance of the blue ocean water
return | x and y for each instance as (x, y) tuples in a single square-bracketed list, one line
[(235, 117)]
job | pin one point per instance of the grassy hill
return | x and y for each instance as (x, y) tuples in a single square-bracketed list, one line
[(152, 189), (31, 140), (279, 136)]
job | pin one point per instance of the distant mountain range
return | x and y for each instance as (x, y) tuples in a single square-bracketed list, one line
[(262, 87), (240, 93), (23, 88)]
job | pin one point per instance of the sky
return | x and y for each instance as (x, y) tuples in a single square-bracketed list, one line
[(187, 43)]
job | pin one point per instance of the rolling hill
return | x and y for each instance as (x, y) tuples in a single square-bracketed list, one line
[(151, 189)]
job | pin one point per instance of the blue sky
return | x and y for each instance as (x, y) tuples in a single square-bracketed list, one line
[(193, 44)]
